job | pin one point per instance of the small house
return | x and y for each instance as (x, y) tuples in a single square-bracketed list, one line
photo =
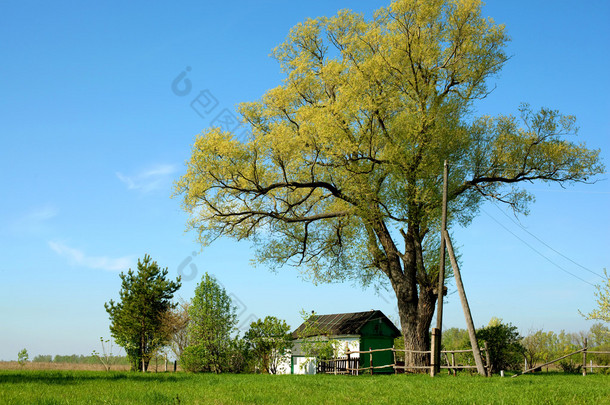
[(356, 331)]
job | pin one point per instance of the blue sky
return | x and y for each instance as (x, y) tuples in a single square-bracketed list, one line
[(92, 137)]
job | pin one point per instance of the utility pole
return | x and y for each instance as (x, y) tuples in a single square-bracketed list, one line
[(437, 333), (476, 351)]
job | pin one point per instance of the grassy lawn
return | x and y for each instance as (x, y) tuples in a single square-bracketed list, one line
[(93, 387)]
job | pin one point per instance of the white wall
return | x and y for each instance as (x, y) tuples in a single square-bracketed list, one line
[(307, 365), (283, 366), (345, 342), (304, 365)]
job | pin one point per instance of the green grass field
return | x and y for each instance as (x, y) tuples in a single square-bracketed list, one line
[(92, 387)]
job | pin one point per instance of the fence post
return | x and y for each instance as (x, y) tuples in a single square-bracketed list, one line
[(394, 353), (487, 359), (371, 359), (348, 366), (435, 360), (453, 363), (584, 359), (175, 365)]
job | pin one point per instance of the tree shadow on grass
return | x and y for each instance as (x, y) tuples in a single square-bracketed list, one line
[(72, 378)]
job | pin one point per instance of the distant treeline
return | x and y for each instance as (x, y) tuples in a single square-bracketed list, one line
[(77, 359)]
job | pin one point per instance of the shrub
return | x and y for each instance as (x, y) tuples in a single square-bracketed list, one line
[(233, 358), (43, 358), (505, 349), (570, 368), (269, 339)]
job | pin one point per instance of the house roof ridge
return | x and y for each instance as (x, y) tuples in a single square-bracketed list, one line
[(346, 323)]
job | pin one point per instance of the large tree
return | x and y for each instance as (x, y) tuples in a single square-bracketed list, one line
[(137, 319), (342, 174)]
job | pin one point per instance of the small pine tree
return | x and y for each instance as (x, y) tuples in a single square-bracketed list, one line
[(22, 357), (137, 319)]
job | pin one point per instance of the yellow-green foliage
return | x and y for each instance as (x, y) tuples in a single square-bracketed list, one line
[(350, 146), (602, 312)]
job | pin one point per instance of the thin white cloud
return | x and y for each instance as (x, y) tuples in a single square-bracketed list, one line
[(79, 258), (35, 221), (42, 214), (148, 180)]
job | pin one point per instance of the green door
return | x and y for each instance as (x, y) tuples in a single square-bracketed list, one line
[(379, 358)]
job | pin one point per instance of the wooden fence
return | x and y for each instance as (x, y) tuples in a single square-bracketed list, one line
[(352, 365), (584, 352), (453, 366), (337, 366)]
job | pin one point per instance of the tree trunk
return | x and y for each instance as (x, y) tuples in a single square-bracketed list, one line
[(415, 319), (425, 311), (414, 294)]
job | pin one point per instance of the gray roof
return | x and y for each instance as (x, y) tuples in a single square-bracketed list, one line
[(342, 324)]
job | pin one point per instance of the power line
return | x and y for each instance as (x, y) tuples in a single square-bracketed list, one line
[(545, 244), (521, 169), (570, 191), (535, 250), (508, 168)]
